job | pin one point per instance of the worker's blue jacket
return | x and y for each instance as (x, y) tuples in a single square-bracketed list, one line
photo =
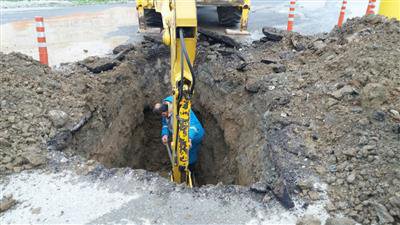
[(196, 132)]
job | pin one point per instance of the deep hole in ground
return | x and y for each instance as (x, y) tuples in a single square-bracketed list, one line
[(131, 137), (214, 164), (124, 132)]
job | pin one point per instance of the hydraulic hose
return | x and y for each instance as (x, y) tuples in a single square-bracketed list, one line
[(180, 89), (183, 46), (186, 55), (182, 73), (180, 93)]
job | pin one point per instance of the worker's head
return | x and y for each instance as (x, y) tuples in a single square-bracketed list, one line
[(162, 108)]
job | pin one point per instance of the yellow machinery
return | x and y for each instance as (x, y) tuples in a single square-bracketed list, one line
[(230, 12), (390, 8), (179, 21)]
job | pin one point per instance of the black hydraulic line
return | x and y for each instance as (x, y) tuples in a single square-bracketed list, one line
[(183, 46), (179, 98), (182, 73)]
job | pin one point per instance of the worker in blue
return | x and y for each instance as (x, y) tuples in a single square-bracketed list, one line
[(196, 131)]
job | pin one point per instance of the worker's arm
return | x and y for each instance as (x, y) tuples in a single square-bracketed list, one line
[(164, 129)]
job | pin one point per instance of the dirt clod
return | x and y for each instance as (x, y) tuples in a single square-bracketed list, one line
[(272, 34), (308, 220), (6, 203), (339, 221), (58, 118), (98, 65)]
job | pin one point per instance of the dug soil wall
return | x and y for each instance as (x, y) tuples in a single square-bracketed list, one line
[(125, 132)]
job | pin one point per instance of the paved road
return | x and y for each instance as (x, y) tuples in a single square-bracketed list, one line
[(70, 30), (19, 14), (99, 28), (135, 197)]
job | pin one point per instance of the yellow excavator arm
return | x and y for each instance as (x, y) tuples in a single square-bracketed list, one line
[(179, 21), (179, 18)]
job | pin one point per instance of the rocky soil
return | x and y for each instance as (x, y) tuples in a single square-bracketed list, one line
[(280, 115), (35, 104), (327, 103)]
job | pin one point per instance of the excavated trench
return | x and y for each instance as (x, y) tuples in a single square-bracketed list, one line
[(126, 133), (213, 164), (136, 143)]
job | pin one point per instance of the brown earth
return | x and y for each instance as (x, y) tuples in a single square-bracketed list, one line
[(281, 114)]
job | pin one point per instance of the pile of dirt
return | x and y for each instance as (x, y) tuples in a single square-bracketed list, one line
[(280, 115), (44, 109), (326, 104), (36, 103)]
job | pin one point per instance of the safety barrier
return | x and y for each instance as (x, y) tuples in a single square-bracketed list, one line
[(371, 7), (41, 39), (342, 13), (291, 15)]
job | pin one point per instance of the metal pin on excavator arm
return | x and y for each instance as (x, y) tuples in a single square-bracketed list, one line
[(179, 19)]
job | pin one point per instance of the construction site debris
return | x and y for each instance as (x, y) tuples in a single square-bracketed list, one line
[(215, 37), (272, 34), (331, 115), (121, 48), (121, 51), (97, 65)]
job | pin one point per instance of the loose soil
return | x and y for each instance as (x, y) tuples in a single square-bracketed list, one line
[(279, 115)]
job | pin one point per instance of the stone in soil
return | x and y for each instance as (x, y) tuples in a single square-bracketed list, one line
[(58, 118), (6, 203), (339, 221), (308, 220)]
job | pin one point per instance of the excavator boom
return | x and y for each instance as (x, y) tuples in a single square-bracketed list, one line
[(179, 18)]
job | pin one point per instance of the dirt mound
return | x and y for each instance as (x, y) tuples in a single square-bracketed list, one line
[(279, 114), (328, 103), (35, 104)]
